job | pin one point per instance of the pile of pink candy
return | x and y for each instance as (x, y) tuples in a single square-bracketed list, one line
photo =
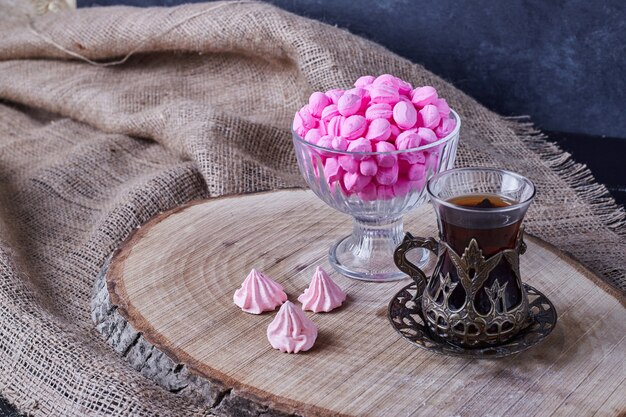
[(380, 114)]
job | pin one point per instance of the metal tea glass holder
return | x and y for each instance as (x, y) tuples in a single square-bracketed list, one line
[(475, 303), (425, 318)]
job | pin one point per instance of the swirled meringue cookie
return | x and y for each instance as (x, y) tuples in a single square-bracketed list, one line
[(259, 293), (323, 295), (291, 331)]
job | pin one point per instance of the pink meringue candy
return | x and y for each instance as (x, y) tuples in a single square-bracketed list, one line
[(259, 293), (349, 104), (386, 79), (422, 96), (325, 141), (291, 331), (317, 103), (353, 127), (334, 125), (364, 81), (329, 112), (369, 167), (360, 145), (348, 163), (323, 294), (386, 160), (334, 94), (303, 121), (443, 107), (339, 143), (446, 126), (332, 170), (379, 111), (384, 93), (428, 117), (378, 130), (313, 136), (387, 176), (405, 115), (355, 182)]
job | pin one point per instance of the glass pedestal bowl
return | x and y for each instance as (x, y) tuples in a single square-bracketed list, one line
[(377, 210)]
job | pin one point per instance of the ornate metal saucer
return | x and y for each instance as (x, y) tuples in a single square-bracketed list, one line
[(405, 316)]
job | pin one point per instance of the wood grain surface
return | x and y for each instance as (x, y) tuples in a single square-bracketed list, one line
[(173, 280)]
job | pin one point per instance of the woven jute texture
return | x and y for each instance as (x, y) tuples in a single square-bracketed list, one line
[(110, 115)]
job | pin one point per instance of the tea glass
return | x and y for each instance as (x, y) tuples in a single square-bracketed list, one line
[(475, 296)]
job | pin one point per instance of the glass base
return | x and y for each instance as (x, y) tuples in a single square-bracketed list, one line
[(367, 254)]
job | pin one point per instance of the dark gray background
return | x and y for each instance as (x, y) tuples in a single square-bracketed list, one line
[(561, 62)]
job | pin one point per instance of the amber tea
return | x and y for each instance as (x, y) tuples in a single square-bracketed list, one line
[(494, 233), (458, 230)]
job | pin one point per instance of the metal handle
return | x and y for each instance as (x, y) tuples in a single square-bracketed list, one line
[(409, 268)]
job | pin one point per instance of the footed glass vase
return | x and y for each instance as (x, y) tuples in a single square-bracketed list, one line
[(375, 202)]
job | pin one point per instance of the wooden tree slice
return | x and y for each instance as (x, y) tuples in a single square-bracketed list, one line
[(167, 306)]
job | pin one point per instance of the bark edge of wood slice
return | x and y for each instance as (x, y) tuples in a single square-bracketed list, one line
[(164, 301)]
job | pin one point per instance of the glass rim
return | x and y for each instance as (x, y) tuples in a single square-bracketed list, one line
[(512, 207), (434, 144)]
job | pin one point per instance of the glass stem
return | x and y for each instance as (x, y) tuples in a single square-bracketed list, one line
[(372, 239)]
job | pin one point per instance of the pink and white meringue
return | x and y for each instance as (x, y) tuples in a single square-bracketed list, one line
[(446, 126), (387, 176), (443, 107), (428, 117), (325, 141), (426, 135), (369, 167), (339, 143), (405, 115), (313, 136), (317, 103), (387, 79), (334, 94), (259, 293), (323, 294), (332, 170), (364, 80), (349, 104), (384, 93), (355, 182), (386, 160), (348, 163), (353, 126), (416, 172), (360, 145), (408, 140), (422, 96), (378, 130), (329, 112), (379, 111), (334, 126), (291, 331)]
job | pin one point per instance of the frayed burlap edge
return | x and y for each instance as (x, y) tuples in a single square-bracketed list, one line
[(580, 178)]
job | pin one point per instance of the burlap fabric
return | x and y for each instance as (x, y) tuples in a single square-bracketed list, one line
[(193, 101)]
